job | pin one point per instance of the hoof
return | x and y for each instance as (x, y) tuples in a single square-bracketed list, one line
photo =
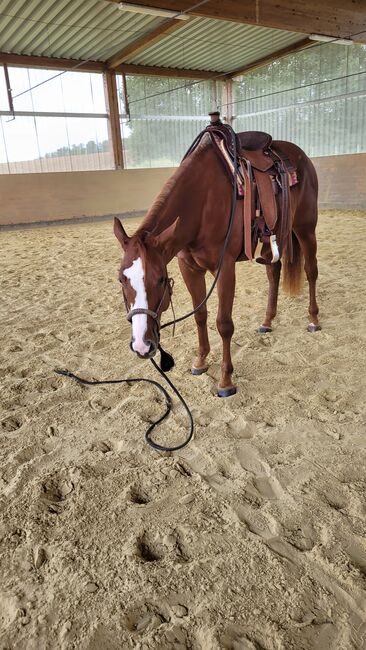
[(313, 328), (226, 392), (198, 371), (263, 329)]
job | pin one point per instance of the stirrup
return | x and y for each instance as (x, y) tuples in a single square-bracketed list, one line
[(274, 249)]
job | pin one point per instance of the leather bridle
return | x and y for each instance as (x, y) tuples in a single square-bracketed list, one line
[(149, 312)]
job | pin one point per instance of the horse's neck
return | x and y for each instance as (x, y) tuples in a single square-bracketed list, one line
[(181, 197)]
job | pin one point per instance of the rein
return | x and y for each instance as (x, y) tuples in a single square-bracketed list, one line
[(167, 361)]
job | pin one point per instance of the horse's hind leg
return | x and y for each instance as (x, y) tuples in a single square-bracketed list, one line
[(225, 326), (308, 245), (196, 285), (273, 275)]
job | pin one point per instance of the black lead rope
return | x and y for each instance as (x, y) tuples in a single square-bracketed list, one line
[(167, 361), (168, 401)]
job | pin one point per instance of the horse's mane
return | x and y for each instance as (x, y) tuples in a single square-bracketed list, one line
[(171, 183)]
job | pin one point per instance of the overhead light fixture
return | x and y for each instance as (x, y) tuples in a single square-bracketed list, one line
[(330, 39), (151, 11)]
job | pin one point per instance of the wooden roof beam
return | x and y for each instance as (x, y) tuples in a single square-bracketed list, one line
[(22, 60), (145, 41), (300, 45), (51, 63), (129, 68), (337, 18)]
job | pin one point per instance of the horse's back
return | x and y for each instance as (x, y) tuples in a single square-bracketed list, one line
[(296, 155)]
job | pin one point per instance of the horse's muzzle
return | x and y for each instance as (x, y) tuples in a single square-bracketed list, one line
[(151, 351)]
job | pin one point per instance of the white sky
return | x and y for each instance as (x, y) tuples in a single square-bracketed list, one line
[(71, 92)]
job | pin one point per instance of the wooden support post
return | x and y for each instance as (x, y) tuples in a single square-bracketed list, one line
[(8, 89), (215, 94), (227, 105), (114, 127), (125, 96)]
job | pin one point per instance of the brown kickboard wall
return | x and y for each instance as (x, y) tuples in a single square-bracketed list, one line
[(342, 181), (29, 198)]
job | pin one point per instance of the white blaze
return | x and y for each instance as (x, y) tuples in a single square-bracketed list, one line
[(135, 274)]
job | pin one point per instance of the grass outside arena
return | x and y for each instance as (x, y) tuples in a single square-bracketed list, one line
[(252, 537)]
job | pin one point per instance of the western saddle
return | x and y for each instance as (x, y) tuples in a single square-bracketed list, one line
[(263, 175)]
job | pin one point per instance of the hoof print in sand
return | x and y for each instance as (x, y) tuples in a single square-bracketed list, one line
[(145, 618), (176, 547), (303, 539), (148, 550), (101, 445), (224, 471), (55, 490), (178, 638), (335, 502), (98, 406), (268, 487), (39, 557), (138, 495), (357, 560), (11, 423), (182, 469), (235, 638), (180, 611)]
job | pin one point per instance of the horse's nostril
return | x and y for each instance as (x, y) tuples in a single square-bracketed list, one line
[(152, 348)]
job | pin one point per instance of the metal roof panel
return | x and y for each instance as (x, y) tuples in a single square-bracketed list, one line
[(93, 29), (215, 45), (96, 30)]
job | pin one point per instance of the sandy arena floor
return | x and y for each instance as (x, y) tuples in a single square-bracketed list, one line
[(253, 538)]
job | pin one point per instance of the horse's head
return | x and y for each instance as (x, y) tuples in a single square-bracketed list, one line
[(146, 287)]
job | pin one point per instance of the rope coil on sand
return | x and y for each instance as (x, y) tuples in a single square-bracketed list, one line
[(135, 380)]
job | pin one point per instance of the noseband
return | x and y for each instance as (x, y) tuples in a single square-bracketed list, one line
[(135, 312), (148, 312)]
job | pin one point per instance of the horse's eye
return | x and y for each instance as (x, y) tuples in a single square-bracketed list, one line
[(161, 280)]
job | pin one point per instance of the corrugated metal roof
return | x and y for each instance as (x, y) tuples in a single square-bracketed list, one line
[(87, 30), (207, 44), (96, 30)]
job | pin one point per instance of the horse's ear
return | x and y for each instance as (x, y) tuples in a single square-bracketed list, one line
[(120, 233), (165, 241)]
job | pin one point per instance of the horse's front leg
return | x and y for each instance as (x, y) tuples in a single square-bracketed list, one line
[(225, 326), (194, 279)]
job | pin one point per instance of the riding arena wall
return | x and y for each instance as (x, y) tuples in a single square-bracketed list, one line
[(32, 198)]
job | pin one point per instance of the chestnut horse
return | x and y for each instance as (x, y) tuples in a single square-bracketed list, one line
[(189, 219)]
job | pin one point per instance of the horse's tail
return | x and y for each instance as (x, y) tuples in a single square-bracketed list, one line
[(292, 271)]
